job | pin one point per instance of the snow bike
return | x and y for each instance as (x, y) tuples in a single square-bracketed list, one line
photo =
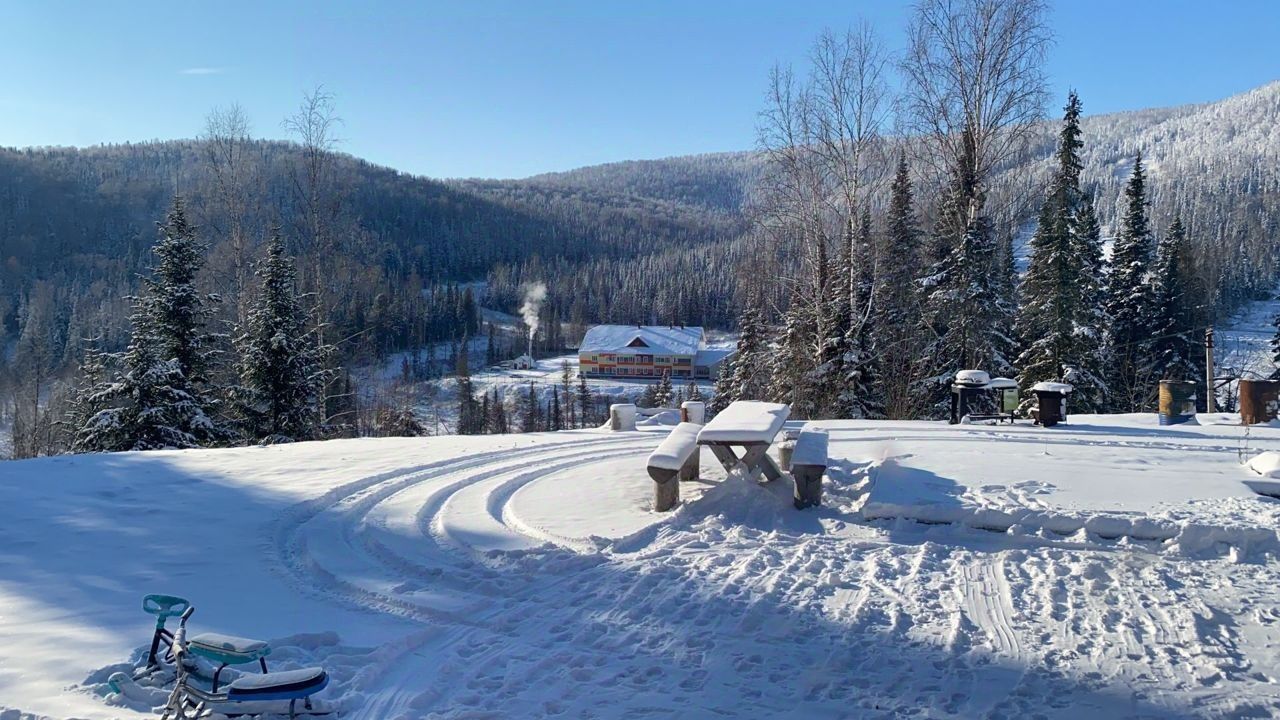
[(241, 696), (221, 650)]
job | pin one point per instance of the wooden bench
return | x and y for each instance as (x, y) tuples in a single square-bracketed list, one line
[(675, 459), (749, 425), (808, 464)]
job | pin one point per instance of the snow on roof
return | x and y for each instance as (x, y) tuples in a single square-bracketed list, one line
[(711, 356), (675, 340), (1051, 387)]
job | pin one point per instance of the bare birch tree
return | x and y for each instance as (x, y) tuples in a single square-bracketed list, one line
[(973, 73)]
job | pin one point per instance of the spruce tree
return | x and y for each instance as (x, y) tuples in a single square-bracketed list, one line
[(1128, 303), (745, 375), (469, 420), (1174, 351), (861, 394), (962, 299), (147, 405), (585, 416), (662, 396), (281, 369), (897, 310), (1059, 322), (159, 398)]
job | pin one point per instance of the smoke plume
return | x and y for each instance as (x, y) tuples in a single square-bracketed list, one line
[(534, 294)]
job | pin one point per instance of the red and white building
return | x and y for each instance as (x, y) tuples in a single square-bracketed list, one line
[(648, 351)]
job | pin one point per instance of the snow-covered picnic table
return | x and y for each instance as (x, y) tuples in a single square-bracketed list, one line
[(749, 425)]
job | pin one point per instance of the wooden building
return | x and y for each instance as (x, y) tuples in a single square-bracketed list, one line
[(648, 351)]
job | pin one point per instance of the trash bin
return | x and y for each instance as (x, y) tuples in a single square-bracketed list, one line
[(1177, 401), (1259, 401), (1051, 403), (1007, 394)]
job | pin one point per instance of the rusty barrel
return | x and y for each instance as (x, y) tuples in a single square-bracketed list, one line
[(1177, 401), (1259, 400)]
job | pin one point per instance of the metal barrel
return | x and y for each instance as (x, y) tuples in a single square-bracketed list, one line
[(1259, 401), (1177, 401)]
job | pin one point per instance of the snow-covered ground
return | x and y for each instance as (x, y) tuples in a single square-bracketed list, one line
[(525, 576)]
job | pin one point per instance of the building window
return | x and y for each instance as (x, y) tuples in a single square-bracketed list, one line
[(683, 361)]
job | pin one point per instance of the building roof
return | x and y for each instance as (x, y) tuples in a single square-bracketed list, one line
[(712, 356), (671, 340)]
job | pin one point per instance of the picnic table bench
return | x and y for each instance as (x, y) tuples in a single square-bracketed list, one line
[(808, 464), (675, 459), (751, 426)]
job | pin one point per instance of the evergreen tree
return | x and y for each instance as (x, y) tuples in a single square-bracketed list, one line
[(662, 392), (531, 415), (1129, 300), (1059, 321), (962, 311), (585, 416), (281, 372), (557, 422), (470, 421), (160, 398), (566, 383), (897, 310), (791, 370), (693, 392), (147, 406), (745, 375), (1175, 353), (861, 393), (963, 308)]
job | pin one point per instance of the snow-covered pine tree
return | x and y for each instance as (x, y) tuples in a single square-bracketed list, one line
[(469, 420), (531, 412), (897, 311), (281, 368), (1174, 351), (585, 404), (1058, 324), (791, 368), (159, 397), (861, 393), (962, 303), (662, 394), (147, 406), (1275, 348), (962, 300), (745, 375), (1128, 304), (1087, 375), (693, 392), (557, 422)]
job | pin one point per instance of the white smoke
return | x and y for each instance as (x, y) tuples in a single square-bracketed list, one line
[(534, 294)]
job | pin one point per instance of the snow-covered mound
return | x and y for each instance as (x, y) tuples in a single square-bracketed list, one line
[(526, 576), (1105, 476)]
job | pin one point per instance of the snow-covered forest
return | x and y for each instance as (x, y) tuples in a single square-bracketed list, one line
[(388, 263)]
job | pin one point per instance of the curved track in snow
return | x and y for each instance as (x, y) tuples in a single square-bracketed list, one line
[(433, 545)]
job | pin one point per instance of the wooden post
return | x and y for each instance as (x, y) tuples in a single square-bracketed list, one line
[(666, 488), (692, 468), (808, 480), (1208, 370)]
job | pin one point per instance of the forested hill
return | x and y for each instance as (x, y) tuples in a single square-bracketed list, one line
[(634, 241)]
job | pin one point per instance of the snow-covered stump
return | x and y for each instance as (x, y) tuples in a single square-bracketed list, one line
[(694, 411), (622, 416), (786, 448), (674, 460), (808, 464)]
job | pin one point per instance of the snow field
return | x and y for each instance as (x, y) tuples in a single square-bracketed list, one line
[(524, 576)]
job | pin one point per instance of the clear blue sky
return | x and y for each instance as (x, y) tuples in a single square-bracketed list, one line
[(509, 89)]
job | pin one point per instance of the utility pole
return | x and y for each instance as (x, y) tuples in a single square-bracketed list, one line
[(1208, 369)]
